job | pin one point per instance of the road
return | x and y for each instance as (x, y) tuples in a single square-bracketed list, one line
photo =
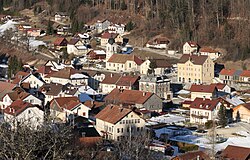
[(160, 52)]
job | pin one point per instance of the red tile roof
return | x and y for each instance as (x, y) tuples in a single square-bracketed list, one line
[(208, 50), (17, 95), (66, 102), (245, 73), (203, 88), (73, 41), (111, 78), (128, 96), (192, 44), (45, 70), (64, 73), (6, 86), (204, 104), (107, 35), (195, 59), (236, 153), (192, 156), (127, 80), (228, 72), (112, 114), (17, 107), (123, 58), (59, 40), (219, 85), (93, 104)]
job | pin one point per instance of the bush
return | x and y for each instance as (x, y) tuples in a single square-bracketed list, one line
[(209, 124)]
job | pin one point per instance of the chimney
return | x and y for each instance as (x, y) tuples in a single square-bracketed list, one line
[(111, 75), (92, 102), (143, 94), (204, 98), (198, 157)]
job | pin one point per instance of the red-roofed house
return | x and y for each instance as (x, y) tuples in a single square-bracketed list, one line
[(202, 110), (203, 91), (190, 47), (23, 112), (106, 35), (124, 63), (139, 99), (245, 76), (236, 153), (62, 107), (60, 42), (114, 122), (229, 76), (159, 43), (76, 46)]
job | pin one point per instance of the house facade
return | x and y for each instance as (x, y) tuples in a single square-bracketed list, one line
[(195, 69), (76, 46), (158, 43), (213, 54), (202, 110), (242, 113), (126, 123), (160, 85), (190, 47), (100, 26), (203, 91), (161, 66)]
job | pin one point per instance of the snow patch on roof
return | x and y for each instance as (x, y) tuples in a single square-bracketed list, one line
[(78, 76)]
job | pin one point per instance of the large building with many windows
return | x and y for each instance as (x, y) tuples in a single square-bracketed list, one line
[(195, 69)]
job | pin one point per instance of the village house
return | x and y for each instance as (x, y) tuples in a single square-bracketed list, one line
[(96, 55), (51, 91), (124, 63), (244, 78), (235, 153), (203, 91), (222, 87), (76, 46), (67, 75), (116, 28), (213, 54), (32, 80), (95, 78), (193, 155), (195, 69), (242, 113), (35, 32), (109, 83), (61, 17), (102, 25), (202, 110), (23, 113), (56, 66), (190, 47), (125, 123), (10, 97), (63, 30), (62, 107), (95, 107), (44, 71), (230, 76), (139, 99), (161, 66), (158, 43), (106, 36), (160, 85), (60, 43)]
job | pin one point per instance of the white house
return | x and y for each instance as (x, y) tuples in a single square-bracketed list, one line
[(62, 107), (124, 63), (102, 25), (67, 75), (213, 54), (24, 113), (33, 81), (202, 110), (158, 43), (76, 47), (109, 83), (125, 123), (116, 28), (190, 47), (61, 17)]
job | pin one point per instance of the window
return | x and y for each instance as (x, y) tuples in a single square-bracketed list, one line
[(138, 129), (129, 65), (118, 130), (122, 130)]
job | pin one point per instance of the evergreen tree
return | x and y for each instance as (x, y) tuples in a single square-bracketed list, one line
[(130, 26), (74, 26), (50, 29), (14, 65), (222, 116), (123, 5), (152, 67), (1, 6)]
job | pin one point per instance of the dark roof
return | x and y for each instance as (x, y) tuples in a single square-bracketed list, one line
[(51, 89), (192, 156), (161, 63), (236, 153), (73, 41), (127, 80), (195, 59), (93, 104), (112, 114), (111, 78), (205, 104), (59, 40)]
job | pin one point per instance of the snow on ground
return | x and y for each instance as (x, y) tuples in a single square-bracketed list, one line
[(168, 118), (35, 43), (8, 25)]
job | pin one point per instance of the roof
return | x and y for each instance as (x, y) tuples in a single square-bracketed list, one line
[(219, 86), (64, 73), (159, 40), (195, 59), (127, 80), (17, 95), (51, 89), (107, 35), (17, 107), (112, 114), (73, 41), (6, 86), (203, 88), (111, 78), (205, 104), (192, 44), (246, 105), (245, 73), (228, 72), (45, 70), (128, 96), (208, 50), (93, 104), (123, 58), (67, 102), (236, 153), (58, 41), (193, 156)]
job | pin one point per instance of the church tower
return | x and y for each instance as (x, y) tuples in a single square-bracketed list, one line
[(111, 48)]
